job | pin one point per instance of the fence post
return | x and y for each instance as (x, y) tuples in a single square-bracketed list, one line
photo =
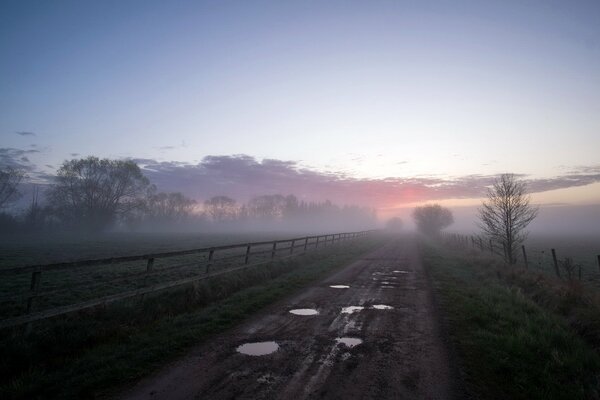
[(150, 264), (305, 243), (211, 253), (35, 285), (247, 256), (555, 263), (525, 257), (292, 247), (273, 250), (598, 261)]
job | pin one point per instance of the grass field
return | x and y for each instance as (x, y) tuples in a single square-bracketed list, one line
[(85, 283), (517, 334), (90, 353)]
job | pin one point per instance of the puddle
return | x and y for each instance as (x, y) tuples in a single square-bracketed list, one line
[(400, 272), (304, 311), (348, 341), (385, 283), (388, 287), (381, 307), (258, 348), (351, 309), (339, 286)]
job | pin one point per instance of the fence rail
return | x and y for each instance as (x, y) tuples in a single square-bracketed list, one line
[(273, 251)]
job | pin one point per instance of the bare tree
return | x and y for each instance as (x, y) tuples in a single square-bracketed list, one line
[(169, 207), (506, 214), (431, 219), (92, 193), (221, 208), (10, 178)]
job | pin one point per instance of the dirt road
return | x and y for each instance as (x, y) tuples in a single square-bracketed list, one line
[(401, 355)]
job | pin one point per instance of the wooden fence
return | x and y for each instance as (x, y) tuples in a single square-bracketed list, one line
[(499, 249), (235, 257)]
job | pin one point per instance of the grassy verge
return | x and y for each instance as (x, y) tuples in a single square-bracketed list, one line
[(512, 330), (83, 356)]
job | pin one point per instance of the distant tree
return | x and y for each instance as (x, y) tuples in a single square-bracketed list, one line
[(10, 178), (267, 207), (431, 219), (169, 207), (506, 214), (92, 193), (221, 208), (394, 224)]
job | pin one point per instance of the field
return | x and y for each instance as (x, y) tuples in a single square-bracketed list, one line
[(516, 333), (85, 283)]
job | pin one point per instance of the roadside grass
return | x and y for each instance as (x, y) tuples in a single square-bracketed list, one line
[(514, 331), (91, 354)]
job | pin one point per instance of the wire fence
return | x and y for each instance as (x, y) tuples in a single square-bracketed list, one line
[(543, 258), (37, 292)]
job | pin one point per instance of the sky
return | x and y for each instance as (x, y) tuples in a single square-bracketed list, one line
[(380, 103)]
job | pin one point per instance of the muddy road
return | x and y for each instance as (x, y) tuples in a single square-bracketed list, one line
[(393, 352)]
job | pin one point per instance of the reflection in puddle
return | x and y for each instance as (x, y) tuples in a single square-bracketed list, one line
[(351, 309), (348, 341), (400, 272), (339, 286), (258, 348), (304, 311), (381, 307)]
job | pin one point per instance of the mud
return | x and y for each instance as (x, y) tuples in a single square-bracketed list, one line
[(402, 354)]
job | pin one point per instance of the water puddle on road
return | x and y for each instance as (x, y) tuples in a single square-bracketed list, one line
[(381, 307), (348, 341), (304, 311), (339, 286), (400, 272), (351, 309), (258, 348)]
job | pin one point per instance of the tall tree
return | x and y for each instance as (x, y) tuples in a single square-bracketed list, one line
[(431, 219), (221, 208), (506, 214), (169, 207), (10, 178), (92, 193)]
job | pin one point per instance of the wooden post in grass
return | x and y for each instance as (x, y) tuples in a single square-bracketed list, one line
[(305, 243), (211, 254), (273, 250), (247, 256), (317, 243), (598, 261), (525, 257), (150, 264), (35, 285), (555, 263), (292, 247)]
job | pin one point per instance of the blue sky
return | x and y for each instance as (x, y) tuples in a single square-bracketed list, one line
[(357, 90)]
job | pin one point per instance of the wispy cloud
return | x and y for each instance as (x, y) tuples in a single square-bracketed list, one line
[(25, 133)]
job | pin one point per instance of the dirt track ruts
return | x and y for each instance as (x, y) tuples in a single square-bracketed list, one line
[(402, 355)]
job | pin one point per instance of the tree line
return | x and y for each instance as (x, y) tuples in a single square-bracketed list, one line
[(96, 195)]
